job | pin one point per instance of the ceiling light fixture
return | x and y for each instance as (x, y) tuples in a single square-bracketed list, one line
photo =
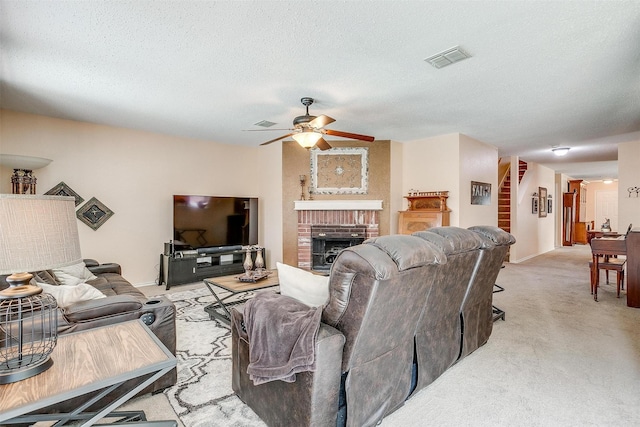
[(307, 139), (607, 180), (447, 57), (560, 151)]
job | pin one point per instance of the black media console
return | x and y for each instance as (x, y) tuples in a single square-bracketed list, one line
[(191, 266)]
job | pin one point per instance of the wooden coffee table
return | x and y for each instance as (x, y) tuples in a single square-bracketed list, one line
[(98, 359), (220, 309)]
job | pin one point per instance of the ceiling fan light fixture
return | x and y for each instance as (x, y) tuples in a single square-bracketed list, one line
[(560, 151), (307, 139)]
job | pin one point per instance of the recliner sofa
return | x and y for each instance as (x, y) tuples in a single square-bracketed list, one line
[(123, 302), (401, 310)]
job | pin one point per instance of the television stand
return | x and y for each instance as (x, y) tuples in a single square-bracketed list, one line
[(191, 266)]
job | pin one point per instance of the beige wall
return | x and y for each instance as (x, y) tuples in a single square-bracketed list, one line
[(450, 163), (534, 235), (396, 203), (135, 174), (432, 164), (628, 176), (478, 162), (296, 162)]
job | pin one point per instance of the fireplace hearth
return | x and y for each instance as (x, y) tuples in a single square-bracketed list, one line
[(325, 227)]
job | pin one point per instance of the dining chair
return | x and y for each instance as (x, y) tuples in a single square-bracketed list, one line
[(604, 255)]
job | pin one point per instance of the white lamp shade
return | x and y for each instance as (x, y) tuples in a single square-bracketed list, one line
[(307, 139), (37, 233)]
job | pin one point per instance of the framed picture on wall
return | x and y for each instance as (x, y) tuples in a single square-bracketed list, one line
[(63, 189), (542, 194), (480, 193), (534, 203), (340, 170)]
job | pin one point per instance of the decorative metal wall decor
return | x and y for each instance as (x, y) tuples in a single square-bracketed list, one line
[(542, 194), (340, 170), (480, 193), (94, 213), (63, 189), (635, 190)]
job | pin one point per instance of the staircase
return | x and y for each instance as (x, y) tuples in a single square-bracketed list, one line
[(504, 204), (522, 168), (504, 197)]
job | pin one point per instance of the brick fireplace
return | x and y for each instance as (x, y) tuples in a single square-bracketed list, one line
[(350, 220)]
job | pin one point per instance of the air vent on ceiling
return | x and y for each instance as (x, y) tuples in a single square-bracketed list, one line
[(264, 123), (447, 57)]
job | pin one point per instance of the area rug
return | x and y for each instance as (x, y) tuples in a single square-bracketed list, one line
[(203, 395)]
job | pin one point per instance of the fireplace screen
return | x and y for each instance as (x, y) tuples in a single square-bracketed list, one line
[(327, 242)]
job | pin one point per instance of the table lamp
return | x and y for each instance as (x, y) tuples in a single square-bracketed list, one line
[(36, 233)]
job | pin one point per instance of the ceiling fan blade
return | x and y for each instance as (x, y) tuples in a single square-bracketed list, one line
[(263, 130), (348, 135), (321, 121), (277, 139), (322, 144)]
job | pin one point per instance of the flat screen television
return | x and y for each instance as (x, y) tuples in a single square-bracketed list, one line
[(214, 221)]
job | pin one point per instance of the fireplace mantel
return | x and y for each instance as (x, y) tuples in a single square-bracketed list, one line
[(338, 205)]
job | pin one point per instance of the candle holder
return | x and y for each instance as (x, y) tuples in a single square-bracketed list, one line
[(303, 180)]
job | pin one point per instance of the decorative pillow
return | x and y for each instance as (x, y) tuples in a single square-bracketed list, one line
[(73, 274), (45, 276), (311, 289), (67, 295)]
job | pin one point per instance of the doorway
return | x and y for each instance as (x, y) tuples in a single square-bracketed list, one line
[(607, 208)]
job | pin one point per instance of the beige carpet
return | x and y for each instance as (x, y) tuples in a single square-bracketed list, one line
[(559, 359)]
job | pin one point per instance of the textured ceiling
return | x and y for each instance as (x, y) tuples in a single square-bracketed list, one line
[(541, 73)]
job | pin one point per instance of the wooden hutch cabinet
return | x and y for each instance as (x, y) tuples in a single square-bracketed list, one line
[(426, 210), (578, 187)]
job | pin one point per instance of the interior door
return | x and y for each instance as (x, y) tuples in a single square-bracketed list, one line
[(607, 207)]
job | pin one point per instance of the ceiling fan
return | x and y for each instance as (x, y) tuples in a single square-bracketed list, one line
[(308, 130)]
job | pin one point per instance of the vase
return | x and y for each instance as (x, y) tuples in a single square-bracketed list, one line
[(259, 263), (248, 263)]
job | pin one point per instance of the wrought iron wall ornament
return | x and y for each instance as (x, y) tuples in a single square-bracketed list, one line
[(94, 213)]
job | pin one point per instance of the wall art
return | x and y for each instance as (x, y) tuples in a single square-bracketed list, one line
[(542, 194), (63, 189), (480, 193), (340, 170), (94, 213)]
